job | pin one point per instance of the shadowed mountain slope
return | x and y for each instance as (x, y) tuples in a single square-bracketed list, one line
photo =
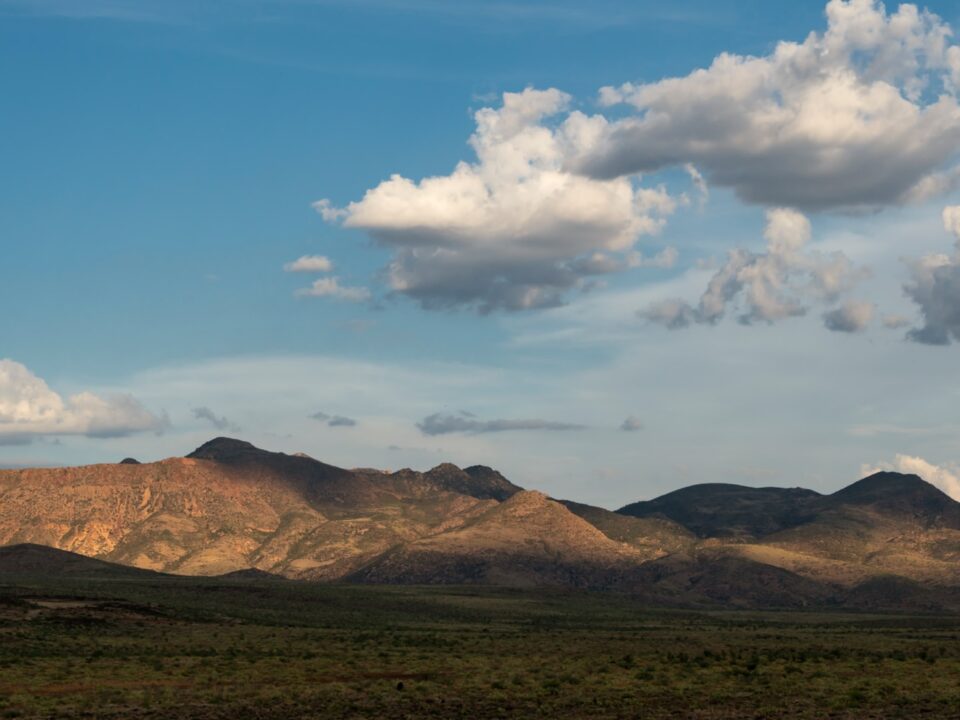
[(715, 578), (890, 592), (899, 495), (487, 482), (723, 510), (655, 536), (27, 559)]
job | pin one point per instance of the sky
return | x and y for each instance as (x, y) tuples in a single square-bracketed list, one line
[(609, 249)]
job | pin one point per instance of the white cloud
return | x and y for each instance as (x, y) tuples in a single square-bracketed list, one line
[(935, 287), (946, 477), (768, 286), (331, 287), (514, 230), (309, 263), (862, 115), (699, 182), (327, 211), (29, 408), (853, 316)]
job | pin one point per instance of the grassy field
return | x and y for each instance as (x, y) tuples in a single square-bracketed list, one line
[(273, 649)]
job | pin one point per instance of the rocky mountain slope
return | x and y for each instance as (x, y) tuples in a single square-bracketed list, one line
[(527, 540), (885, 524), (230, 507)]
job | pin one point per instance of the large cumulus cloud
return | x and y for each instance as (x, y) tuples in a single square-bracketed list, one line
[(862, 115), (516, 229), (29, 408)]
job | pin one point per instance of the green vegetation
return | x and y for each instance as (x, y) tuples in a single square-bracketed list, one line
[(213, 648)]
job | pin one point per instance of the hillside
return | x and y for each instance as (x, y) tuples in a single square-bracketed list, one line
[(654, 536), (723, 510), (28, 560), (887, 524), (227, 506), (527, 540), (232, 509), (900, 495)]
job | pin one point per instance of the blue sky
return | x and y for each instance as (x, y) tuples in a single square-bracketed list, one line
[(160, 162)]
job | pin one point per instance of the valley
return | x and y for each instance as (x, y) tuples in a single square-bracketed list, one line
[(97, 642)]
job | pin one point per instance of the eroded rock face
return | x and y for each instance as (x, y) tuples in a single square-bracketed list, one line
[(528, 539), (228, 506)]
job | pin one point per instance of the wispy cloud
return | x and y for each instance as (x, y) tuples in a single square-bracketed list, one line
[(599, 14), (498, 16), (220, 422), (309, 263), (631, 424), (441, 424), (873, 430), (331, 287), (334, 420)]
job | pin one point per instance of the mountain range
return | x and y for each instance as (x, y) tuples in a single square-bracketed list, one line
[(888, 540)]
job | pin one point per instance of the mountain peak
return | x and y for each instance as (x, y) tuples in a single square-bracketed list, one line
[(900, 493), (526, 502), (445, 467), (224, 449), (884, 483), (477, 481)]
